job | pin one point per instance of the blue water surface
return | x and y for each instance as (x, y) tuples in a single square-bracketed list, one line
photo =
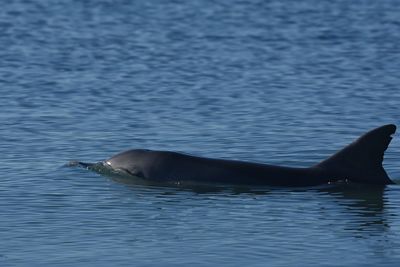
[(280, 82)]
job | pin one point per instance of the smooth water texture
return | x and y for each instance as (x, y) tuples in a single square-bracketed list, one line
[(280, 82)]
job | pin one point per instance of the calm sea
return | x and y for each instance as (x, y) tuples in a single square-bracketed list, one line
[(280, 82)]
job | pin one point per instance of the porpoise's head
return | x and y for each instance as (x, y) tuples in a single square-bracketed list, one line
[(135, 162)]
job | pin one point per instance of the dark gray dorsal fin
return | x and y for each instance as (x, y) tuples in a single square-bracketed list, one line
[(361, 161)]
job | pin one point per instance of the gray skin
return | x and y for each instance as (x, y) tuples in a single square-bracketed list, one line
[(361, 162)]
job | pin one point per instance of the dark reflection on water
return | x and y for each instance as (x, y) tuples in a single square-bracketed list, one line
[(365, 204), (361, 206)]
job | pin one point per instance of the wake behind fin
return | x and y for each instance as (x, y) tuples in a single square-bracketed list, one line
[(361, 161)]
